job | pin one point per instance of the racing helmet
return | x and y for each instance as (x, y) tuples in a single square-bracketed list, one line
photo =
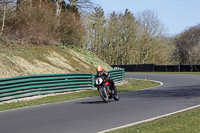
[(100, 70)]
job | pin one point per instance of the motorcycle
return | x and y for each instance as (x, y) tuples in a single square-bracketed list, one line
[(106, 90)]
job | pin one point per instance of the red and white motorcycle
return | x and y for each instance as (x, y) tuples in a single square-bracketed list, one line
[(106, 90)]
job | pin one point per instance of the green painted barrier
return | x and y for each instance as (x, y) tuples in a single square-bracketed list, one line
[(31, 85)]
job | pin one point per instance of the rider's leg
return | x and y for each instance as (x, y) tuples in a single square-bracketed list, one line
[(112, 83)]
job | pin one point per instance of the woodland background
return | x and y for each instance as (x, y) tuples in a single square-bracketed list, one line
[(117, 38)]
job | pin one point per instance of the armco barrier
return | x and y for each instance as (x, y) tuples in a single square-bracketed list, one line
[(24, 86), (117, 74)]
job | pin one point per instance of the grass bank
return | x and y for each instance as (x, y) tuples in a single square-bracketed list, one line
[(129, 85), (20, 60)]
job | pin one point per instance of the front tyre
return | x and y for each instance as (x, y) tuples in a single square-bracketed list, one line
[(103, 94)]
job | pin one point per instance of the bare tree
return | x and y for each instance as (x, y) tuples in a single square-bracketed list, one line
[(187, 45), (151, 34)]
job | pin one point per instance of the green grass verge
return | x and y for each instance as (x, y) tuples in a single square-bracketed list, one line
[(185, 122), (130, 85), (134, 84)]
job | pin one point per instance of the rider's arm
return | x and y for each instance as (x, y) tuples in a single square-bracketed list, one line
[(107, 76)]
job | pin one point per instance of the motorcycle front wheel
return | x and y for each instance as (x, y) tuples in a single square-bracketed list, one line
[(103, 94)]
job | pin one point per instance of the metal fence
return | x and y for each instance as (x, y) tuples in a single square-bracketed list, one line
[(159, 68), (31, 85), (137, 67)]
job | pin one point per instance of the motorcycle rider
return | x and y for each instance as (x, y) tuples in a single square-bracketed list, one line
[(106, 76)]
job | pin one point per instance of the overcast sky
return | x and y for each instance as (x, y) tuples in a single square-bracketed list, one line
[(176, 15)]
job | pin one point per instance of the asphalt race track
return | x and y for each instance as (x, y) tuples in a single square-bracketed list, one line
[(91, 115)]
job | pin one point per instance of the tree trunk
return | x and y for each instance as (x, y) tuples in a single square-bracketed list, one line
[(4, 17), (58, 7)]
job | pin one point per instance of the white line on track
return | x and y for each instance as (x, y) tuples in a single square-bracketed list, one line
[(148, 120)]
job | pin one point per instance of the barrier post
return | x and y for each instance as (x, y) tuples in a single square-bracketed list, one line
[(93, 80)]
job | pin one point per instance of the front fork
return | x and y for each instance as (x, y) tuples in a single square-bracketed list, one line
[(109, 90)]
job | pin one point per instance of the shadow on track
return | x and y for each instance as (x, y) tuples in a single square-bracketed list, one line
[(172, 92), (96, 102), (92, 102)]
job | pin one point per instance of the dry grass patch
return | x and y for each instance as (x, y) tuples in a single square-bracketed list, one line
[(59, 61)]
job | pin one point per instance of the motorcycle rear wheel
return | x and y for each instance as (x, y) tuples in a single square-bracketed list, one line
[(115, 95)]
